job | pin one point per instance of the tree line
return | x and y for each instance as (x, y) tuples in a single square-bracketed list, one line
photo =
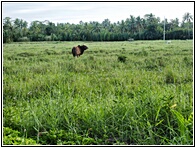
[(147, 28)]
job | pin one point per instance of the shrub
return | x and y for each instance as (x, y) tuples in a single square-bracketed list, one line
[(122, 58), (12, 137), (62, 137), (171, 77)]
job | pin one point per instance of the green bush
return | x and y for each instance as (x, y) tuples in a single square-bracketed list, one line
[(61, 137), (170, 77), (122, 58), (13, 137)]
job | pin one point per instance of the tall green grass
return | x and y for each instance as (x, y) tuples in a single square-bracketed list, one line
[(116, 93)]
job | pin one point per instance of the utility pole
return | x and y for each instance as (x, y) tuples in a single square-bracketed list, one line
[(164, 30)]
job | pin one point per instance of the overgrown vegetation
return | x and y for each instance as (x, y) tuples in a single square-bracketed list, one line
[(116, 93), (149, 27), (12, 137)]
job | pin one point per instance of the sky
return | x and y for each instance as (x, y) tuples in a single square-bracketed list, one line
[(74, 12)]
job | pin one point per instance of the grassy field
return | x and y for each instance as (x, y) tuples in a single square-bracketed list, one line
[(116, 93)]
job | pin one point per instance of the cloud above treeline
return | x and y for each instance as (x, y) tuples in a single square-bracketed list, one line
[(74, 12)]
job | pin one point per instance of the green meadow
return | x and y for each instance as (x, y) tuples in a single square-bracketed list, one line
[(116, 93)]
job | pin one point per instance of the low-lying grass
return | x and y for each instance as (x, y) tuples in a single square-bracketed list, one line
[(116, 93)]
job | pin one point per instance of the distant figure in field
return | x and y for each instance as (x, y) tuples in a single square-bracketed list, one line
[(78, 50)]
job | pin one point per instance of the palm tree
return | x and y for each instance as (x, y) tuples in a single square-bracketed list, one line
[(96, 27), (18, 28), (187, 18), (24, 28), (133, 24), (35, 31), (139, 25), (150, 18), (122, 26), (175, 22), (7, 30)]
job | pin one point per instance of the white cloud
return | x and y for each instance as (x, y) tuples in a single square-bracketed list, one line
[(74, 12)]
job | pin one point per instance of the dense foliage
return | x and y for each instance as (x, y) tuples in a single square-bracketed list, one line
[(13, 137), (147, 28), (116, 93)]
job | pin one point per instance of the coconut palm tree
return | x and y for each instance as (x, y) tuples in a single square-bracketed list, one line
[(187, 17), (139, 25)]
